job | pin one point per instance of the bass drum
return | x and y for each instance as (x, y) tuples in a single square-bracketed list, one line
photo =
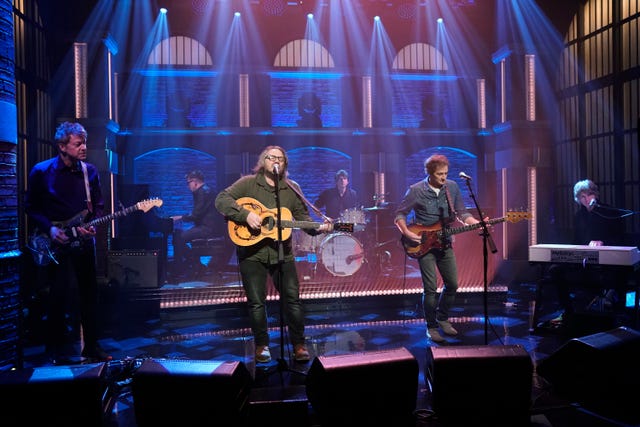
[(304, 243), (341, 254)]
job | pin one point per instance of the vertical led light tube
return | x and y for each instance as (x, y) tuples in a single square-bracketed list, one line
[(367, 108), (532, 185), (530, 86), (503, 91), (116, 90), (243, 93), (482, 103), (80, 74)]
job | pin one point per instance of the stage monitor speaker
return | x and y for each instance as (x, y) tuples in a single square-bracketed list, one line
[(53, 396), (369, 388), (133, 269), (489, 385), (597, 370), (190, 393)]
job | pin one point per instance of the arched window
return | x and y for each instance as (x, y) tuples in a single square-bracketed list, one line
[(420, 57), (179, 50), (304, 53)]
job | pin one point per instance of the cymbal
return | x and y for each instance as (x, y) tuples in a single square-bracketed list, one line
[(376, 208)]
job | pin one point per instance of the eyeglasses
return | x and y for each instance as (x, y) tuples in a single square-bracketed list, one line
[(274, 158)]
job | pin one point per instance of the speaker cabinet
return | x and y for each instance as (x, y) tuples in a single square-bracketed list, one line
[(369, 388), (190, 393), (598, 371), (490, 385), (133, 269), (53, 396)]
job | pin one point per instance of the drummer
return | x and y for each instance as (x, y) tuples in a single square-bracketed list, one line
[(339, 198)]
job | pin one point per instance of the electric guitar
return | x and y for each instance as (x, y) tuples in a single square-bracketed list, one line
[(44, 249), (243, 235), (435, 237)]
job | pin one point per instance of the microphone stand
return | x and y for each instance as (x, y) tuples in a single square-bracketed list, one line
[(487, 240), (282, 364)]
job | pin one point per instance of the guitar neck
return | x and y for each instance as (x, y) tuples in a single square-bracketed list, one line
[(469, 227), (106, 218), (300, 224)]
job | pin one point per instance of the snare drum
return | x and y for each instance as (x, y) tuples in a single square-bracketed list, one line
[(354, 216), (341, 254)]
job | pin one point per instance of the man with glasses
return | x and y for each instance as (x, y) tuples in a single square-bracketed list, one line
[(203, 218), (251, 204)]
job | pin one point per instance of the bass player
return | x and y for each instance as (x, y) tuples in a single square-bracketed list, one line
[(261, 259), (435, 200)]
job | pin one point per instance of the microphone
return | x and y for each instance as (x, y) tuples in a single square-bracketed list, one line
[(593, 203), (276, 169), (464, 176)]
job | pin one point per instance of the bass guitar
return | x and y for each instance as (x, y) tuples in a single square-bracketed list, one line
[(44, 249), (434, 237), (243, 235)]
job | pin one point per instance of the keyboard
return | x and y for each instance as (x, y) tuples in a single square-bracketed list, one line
[(584, 254)]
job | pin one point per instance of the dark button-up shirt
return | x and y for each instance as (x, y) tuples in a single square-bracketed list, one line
[(203, 213), (334, 203), (56, 193)]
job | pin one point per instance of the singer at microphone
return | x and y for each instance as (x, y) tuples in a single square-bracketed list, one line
[(276, 169), (464, 176)]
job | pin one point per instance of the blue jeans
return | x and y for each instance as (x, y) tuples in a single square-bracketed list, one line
[(254, 281), (437, 308)]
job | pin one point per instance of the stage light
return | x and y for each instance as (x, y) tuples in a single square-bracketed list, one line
[(163, 10), (440, 21), (309, 15), (376, 18), (237, 14)]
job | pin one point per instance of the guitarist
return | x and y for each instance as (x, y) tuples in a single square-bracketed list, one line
[(435, 200), (261, 259), (59, 189)]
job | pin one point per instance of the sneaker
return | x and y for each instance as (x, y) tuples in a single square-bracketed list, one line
[(300, 353), (435, 336), (263, 355), (447, 328)]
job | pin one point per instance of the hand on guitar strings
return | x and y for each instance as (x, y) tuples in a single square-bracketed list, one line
[(254, 220)]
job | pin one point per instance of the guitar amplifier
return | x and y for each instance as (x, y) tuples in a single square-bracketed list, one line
[(134, 269)]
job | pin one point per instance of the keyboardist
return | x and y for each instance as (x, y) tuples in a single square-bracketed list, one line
[(594, 224)]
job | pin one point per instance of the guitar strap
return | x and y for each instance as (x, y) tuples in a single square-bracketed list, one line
[(86, 186), (311, 205), (452, 212)]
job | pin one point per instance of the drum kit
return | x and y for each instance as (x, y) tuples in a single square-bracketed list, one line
[(343, 254)]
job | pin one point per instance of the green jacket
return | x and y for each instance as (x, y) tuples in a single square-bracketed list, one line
[(256, 187)]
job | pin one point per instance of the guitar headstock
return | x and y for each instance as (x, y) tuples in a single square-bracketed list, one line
[(146, 205), (345, 227), (513, 216)]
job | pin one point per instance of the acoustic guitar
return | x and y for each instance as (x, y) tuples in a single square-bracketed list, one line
[(44, 250), (434, 237), (243, 235)]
